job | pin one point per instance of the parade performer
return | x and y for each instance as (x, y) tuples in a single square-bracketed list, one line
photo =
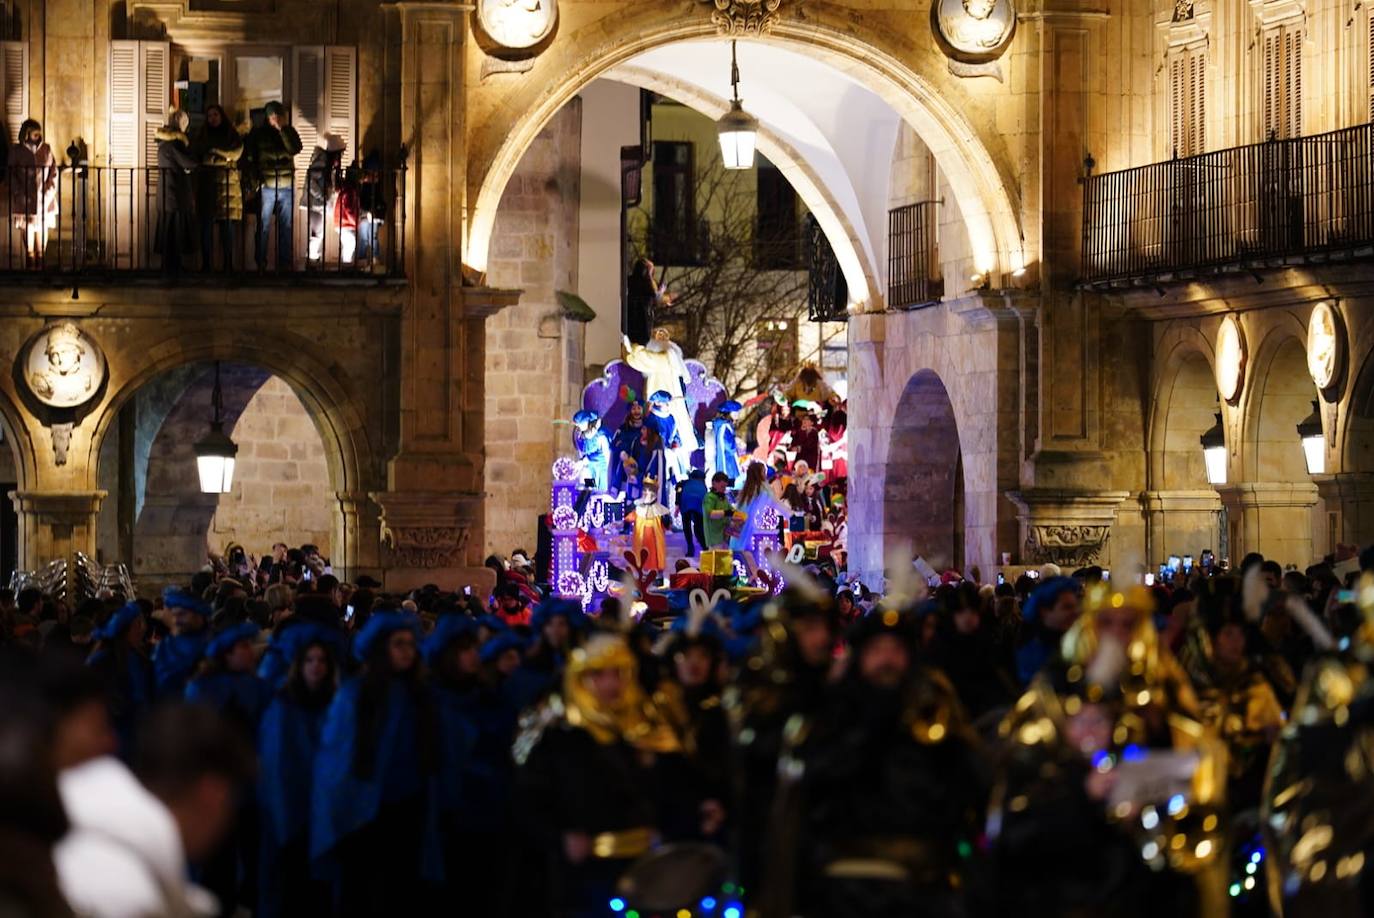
[(722, 448), (664, 369), (649, 508), (176, 656), (593, 448), (675, 464), (119, 658), (626, 448)]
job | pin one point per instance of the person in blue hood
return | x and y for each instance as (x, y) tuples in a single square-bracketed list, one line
[(558, 626), (179, 653), (373, 824), (123, 664), (288, 740), (277, 659), (225, 681), (1048, 613)]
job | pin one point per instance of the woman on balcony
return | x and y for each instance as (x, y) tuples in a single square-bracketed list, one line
[(33, 190), (219, 196), (176, 198)]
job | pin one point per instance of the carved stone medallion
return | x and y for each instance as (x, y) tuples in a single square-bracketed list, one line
[(1325, 346), (973, 31), (63, 366), (517, 24)]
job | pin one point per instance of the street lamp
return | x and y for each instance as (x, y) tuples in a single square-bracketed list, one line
[(1313, 441), (215, 452), (1214, 453), (737, 128)]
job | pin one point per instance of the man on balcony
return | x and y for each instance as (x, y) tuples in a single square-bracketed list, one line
[(273, 146)]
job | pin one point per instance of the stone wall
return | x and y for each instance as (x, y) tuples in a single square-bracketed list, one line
[(534, 355)]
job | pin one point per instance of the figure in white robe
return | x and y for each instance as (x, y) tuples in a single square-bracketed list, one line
[(664, 369)]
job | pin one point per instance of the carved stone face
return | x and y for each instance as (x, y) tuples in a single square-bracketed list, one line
[(64, 355), (518, 23), (979, 9)]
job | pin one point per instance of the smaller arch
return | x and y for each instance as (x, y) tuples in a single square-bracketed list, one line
[(923, 488), (1181, 347), (1277, 396)]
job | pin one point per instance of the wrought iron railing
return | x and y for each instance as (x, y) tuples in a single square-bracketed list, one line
[(912, 259), (1242, 208), (77, 220), (827, 294)]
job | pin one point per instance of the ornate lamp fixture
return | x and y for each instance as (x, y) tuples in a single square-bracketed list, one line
[(1313, 441), (1214, 453), (215, 452), (738, 129)]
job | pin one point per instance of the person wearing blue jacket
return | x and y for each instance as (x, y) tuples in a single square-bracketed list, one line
[(122, 662), (226, 681), (288, 740), (179, 653), (373, 824), (559, 626), (1048, 613)]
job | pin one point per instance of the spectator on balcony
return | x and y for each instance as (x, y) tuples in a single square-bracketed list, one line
[(176, 197), (219, 195), (272, 147), (348, 214), (321, 189), (372, 204), (33, 190)]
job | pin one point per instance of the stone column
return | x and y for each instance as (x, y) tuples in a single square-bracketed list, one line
[(1350, 496), (431, 512), (1068, 528), (1273, 518), (1180, 523), (55, 524)]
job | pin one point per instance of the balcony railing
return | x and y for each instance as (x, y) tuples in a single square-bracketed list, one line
[(912, 262), (1248, 207), (827, 294), (77, 221)]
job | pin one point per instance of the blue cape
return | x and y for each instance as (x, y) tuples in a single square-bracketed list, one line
[(287, 644), (596, 449), (176, 598), (117, 623), (380, 626), (447, 629), (727, 450), (224, 641), (175, 659), (288, 739), (240, 694)]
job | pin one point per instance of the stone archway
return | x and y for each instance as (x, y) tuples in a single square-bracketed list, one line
[(926, 97), (923, 487), (1182, 507)]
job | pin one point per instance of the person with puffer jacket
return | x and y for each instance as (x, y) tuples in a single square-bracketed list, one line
[(273, 146), (176, 196)]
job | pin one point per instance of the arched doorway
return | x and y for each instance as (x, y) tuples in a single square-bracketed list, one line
[(9, 520), (1279, 497), (156, 519), (923, 500), (1183, 507)]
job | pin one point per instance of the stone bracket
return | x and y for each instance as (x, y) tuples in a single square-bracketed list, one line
[(1068, 528), (427, 529)]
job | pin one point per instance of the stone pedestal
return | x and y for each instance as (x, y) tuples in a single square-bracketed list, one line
[(1349, 497), (429, 538), (1273, 518), (1180, 523), (1068, 528), (55, 524)]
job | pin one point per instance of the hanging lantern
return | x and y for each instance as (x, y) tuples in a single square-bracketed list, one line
[(1313, 441), (1214, 453), (215, 452), (738, 130)]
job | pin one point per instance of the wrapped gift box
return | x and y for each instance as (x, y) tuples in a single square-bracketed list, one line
[(718, 562)]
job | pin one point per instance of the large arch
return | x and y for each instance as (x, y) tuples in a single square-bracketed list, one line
[(980, 188), (923, 487)]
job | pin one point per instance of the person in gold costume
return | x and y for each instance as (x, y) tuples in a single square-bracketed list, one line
[(1318, 808), (1104, 756), (600, 767)]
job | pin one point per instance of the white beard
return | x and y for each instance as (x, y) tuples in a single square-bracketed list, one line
[(658, 347)]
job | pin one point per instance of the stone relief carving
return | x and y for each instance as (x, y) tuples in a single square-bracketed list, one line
[(61, 442), (426, 546), (744, 17), (1183, 10), (517, 24), (63, 366), (973, 31), (1067, 545)]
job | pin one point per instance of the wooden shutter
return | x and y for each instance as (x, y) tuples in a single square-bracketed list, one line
[(1369, 60), (124, 108), (154, 67), (307, 103), (1187, 101), (340, 96), (14, 70), (1282, 82), (1197, 101)]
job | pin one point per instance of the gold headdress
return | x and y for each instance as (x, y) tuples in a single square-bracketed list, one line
[(635, 718)]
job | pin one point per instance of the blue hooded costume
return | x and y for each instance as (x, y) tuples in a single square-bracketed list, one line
[(725, 456), (130, 674), (626, 440), (344, 803), (539, 674), (594, 448), (457, 732), (1043, 643), (288, 641), (177, 655), (242, 696), (288, 741)]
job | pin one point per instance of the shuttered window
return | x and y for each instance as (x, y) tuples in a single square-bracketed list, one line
[(14, 85), (324, 99), (1369, 72), (140, 100), (1188, 101), (1281, 82)]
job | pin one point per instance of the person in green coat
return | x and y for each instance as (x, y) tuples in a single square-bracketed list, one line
[(717, 510), (273, 146), (219, 194)]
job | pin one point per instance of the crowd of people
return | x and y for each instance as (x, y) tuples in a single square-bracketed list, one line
[(209, 181), (1055, 745)]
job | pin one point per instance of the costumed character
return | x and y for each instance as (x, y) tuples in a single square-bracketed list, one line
[(780, 423), (722, 447), (178, 654), (288, 740), (119, 658), (661, 419), (649, 507), (277, 657), (665, 370), (558, 626), (625, 446), (373, 825), (807, 438), (1318, 809), (1163, 772), (809, 386), (593, 448), (593, 764), (755, 498), (889, 784)]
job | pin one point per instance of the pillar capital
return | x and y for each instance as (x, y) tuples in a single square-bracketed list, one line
[(1267, 494), (55, 525), (431, 536), (1065, 527)]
